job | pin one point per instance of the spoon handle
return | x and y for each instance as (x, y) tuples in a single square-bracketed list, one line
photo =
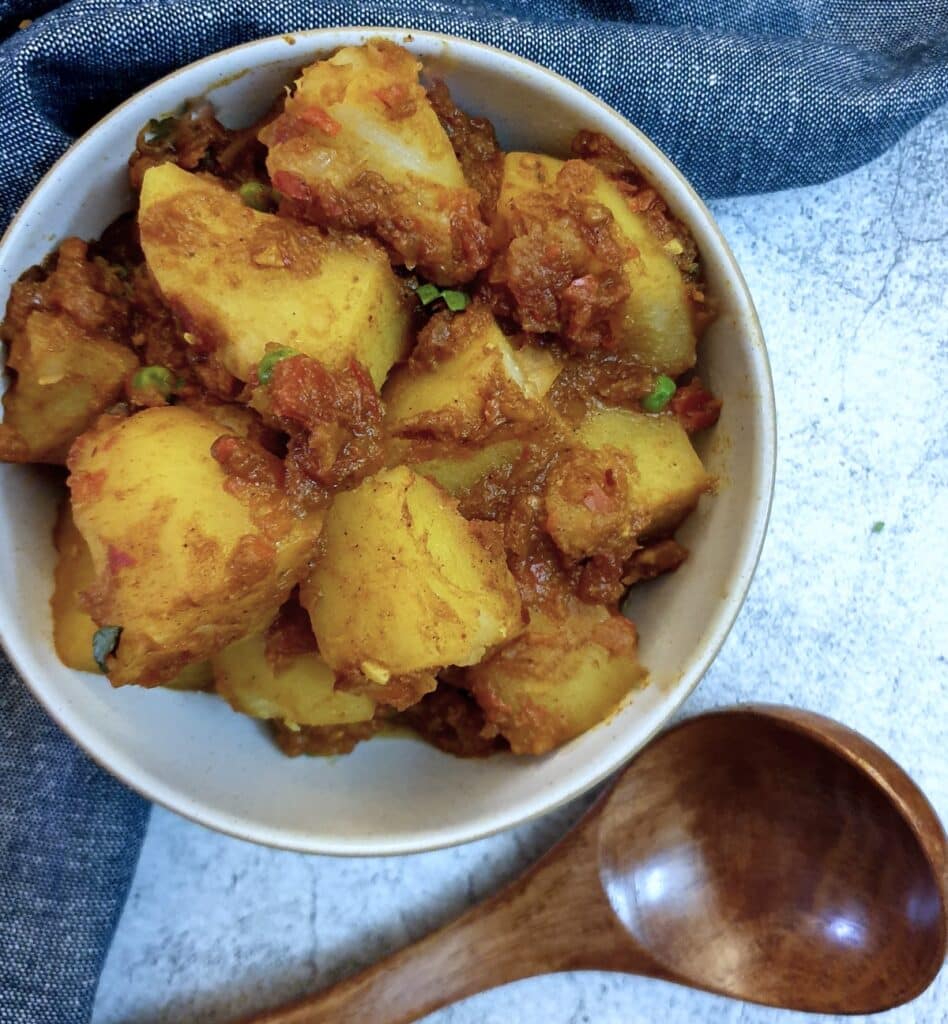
[(459, 960), (548, 920)]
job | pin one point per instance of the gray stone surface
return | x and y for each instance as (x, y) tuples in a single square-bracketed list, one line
[(850, 280)]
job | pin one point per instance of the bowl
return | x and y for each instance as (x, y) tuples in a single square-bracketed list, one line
[(194, 755)]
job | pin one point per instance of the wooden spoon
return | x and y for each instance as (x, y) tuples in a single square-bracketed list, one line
[(762, 853)]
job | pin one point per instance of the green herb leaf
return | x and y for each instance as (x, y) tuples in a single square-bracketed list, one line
[(661, 394), (154, 378), (878, 526), (427, 293), (269, 361), (257, 196), (158, 129), (454, 300), (104, 642)]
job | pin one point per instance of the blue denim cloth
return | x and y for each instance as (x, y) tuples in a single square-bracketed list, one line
[(744, 95), (69, 840)]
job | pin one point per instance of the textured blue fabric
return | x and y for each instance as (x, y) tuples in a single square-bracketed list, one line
[(69, 841), (744, 95)]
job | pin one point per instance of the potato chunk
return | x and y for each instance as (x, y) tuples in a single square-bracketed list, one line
[(626, 478), (560, 678), (459, 470), (65, 377), (665, 476), (475, 384), (405, 584), (186, 558), (652, 319), (298, 692), (240, 280), (359, 146), (73, 627)]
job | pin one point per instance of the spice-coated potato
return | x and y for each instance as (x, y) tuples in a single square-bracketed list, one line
[(562, 676), (460, 469), (627, 477), (66, 376), (479, 384), (297, 692), (359, 146), (657, 322), (73, 627), (404, 583), (665, 476), (184, 562), (240, 280)]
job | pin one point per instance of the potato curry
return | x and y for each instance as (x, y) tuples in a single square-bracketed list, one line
[(366, 421)]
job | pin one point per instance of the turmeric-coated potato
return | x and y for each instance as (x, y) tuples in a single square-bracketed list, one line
[(73, 627), (665, 475), (460, 469), (196, 676), (404, 583), (359, 146), (298, 691), (562, 676), (478, 384), (65, 377), (655, 321), (589, 504), (240, 280), (187, 559), (627, 477)]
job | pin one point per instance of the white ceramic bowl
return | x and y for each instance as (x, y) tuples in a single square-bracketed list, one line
[(190, 752)]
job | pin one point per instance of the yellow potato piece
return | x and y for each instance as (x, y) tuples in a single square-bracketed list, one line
[(182, 563), (73, 628), (299, 693), (197, 676), (240, 280), (360, 125), (405, 584), (665, 475), (657, 321), (460, 470), (66, 377), (481, 384), (588, 503), (560, 678), (413, 148)]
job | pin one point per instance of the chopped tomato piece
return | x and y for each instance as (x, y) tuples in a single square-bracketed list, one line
[(695, 408), (118, 559), (320, 119), (291, 185)]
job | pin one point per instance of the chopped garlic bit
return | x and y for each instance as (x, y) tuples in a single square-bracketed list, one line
[(375, 672)]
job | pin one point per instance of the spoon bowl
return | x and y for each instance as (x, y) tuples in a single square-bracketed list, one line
[(762, 853), (750, 857)]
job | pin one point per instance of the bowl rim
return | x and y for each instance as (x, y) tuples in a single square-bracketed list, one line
[(150, 786)]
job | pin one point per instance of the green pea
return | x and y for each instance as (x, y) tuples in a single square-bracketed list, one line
[(256, 195), (154, 378), (661, 394)]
